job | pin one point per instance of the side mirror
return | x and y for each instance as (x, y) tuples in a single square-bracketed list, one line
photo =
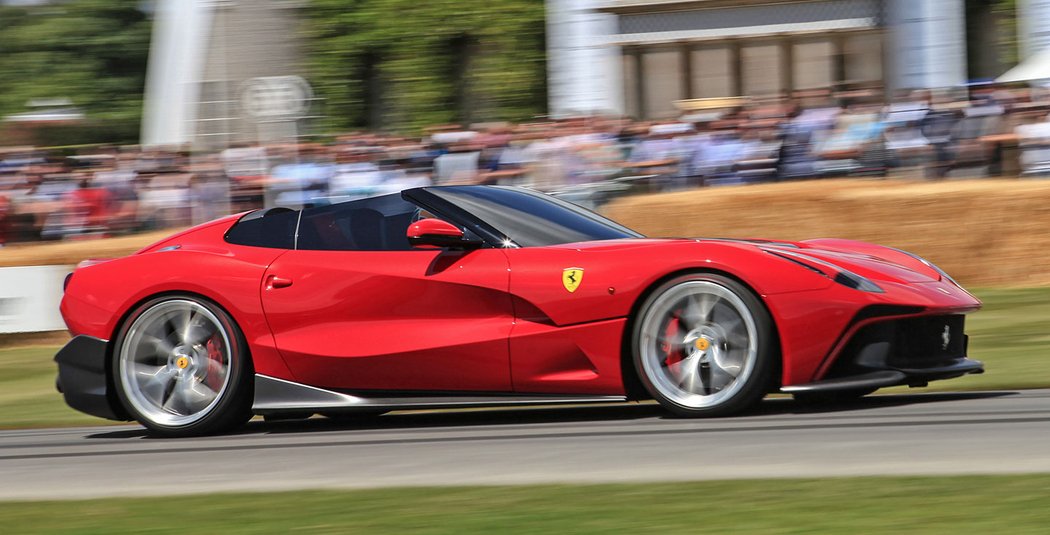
[(436, 234)]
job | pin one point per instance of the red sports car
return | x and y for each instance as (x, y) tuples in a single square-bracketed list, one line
[(475, 295)]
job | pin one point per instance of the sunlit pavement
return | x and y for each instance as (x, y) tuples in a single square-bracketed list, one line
[(936, 433)]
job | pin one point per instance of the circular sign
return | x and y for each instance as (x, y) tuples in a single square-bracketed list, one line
[(276, 97)]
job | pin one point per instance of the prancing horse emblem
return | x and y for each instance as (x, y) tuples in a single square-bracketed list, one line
[(946, 337), (571, 278)]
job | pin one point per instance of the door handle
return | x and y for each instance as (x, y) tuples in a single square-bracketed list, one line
[(273, 281)]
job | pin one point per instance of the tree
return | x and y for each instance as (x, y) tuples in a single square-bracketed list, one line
[(93, 52), (411, 63)]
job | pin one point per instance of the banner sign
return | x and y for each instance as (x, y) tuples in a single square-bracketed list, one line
[(29, 298)]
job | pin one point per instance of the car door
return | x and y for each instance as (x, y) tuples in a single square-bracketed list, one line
[(571, 313), (384, 316), (564, 274)]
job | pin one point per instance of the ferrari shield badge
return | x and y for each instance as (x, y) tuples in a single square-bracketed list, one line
[(571, 278)]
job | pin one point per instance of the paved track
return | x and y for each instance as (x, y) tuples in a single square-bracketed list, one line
[(994, 432)]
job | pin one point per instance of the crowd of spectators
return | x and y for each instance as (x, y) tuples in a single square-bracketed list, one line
[(103, 191)]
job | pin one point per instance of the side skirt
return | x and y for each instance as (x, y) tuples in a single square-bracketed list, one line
[(892, 377), (273, 395), (877, 379)]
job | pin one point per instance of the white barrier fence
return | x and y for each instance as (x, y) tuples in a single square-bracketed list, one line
[(29, 298)]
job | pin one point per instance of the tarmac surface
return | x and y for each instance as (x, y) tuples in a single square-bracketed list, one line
[(920, 434)]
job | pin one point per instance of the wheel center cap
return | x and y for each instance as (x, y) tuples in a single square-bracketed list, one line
[(702, 343), (182, 362)]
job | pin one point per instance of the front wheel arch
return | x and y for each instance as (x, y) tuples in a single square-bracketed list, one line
[(632, 384)]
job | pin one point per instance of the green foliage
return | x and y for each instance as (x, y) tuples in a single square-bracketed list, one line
[(27, 391), (406, 63), (90, 51)]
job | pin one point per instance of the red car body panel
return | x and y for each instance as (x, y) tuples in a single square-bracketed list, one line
[(813, 326), (492, 320), (572, 341), (402, 320), (100, 296), (581, 358)]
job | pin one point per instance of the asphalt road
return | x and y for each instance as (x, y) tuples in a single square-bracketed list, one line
[(963, 433)]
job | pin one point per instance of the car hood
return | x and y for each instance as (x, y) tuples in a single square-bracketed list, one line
[(868, 260), (871, 261)]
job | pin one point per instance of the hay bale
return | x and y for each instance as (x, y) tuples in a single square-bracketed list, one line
[(984, 232), (71, 252)]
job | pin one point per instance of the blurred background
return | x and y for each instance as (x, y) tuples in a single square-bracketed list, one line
[(119, 116), (918, 124)]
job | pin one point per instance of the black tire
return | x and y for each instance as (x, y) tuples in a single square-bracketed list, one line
[(203, 378), (738, 336), (831, 398)]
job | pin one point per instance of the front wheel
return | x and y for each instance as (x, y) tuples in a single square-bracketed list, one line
[(703, 345), (181, 368)]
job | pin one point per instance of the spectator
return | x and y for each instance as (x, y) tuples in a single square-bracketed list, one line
[(459, 165), (298, 183), (89, 208), (111, 190)]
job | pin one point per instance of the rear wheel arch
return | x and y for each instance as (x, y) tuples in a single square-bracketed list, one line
[(125, 316), (246, 390), (128, 310)]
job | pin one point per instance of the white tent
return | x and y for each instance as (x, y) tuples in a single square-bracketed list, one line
[(1034, 68)]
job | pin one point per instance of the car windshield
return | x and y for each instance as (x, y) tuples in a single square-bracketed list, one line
[(529, 218)]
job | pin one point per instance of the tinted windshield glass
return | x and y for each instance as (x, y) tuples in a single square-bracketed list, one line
[(532, 219)]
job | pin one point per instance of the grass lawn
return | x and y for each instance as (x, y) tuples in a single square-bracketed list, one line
[(986, 504), (1011, 335), (27, 391)]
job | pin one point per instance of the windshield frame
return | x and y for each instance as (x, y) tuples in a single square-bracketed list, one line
[(435, 199)]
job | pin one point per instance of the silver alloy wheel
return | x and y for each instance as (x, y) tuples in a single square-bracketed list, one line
[(175, 362), (698, 344)]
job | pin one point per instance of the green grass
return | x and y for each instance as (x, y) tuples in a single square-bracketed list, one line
[(1011, 335), (985, 504), (27, 391)]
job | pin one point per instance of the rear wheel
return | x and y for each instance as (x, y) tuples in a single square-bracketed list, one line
[(703, 345), (181, 368)]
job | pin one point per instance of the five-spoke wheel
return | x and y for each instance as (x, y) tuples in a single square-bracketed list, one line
[(181, 368), (703, 345)]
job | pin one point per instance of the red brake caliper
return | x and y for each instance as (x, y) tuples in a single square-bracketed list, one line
[(673, 331), (213, 379)]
